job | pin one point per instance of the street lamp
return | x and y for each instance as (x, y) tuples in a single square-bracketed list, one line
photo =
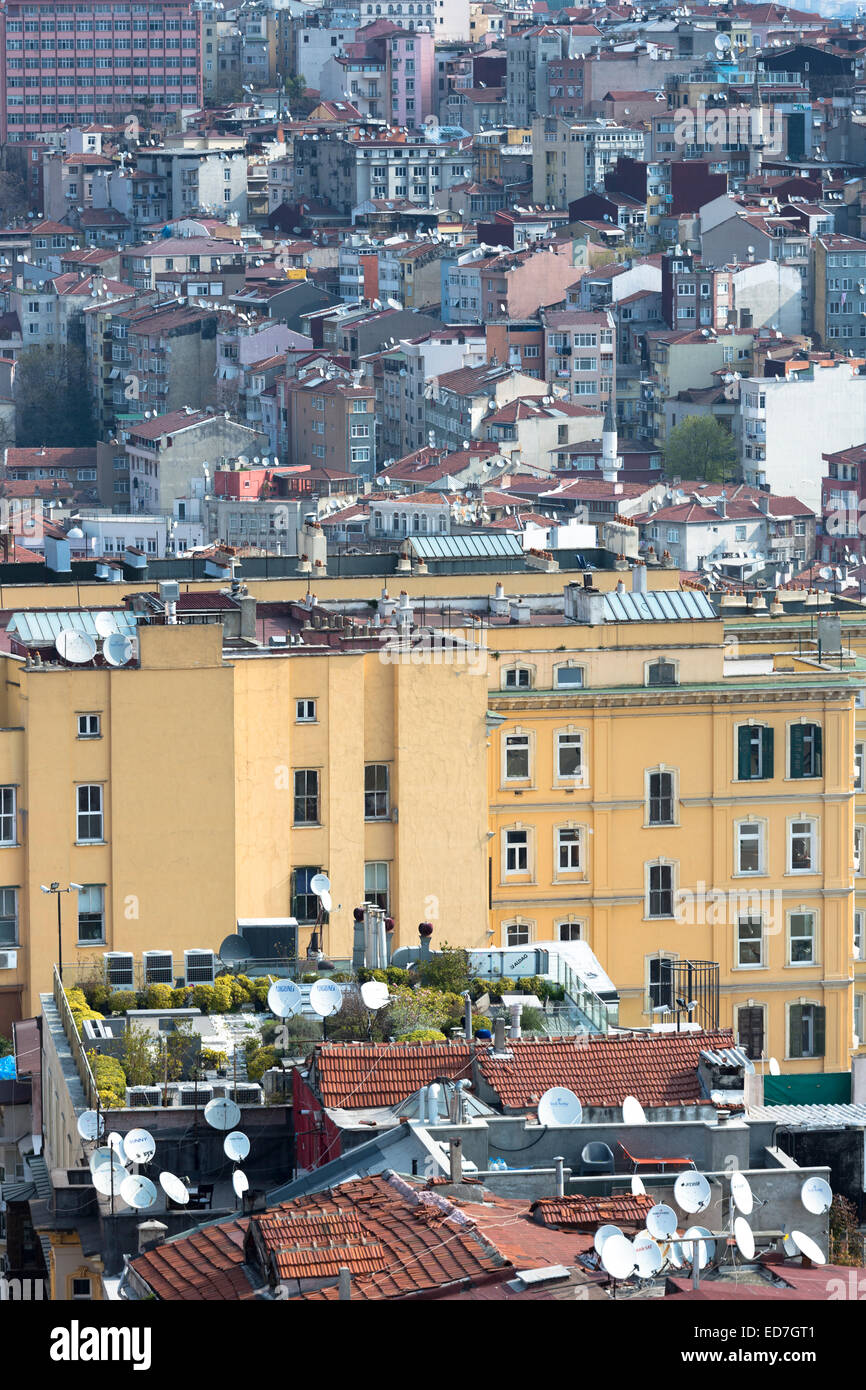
[(57, 890)]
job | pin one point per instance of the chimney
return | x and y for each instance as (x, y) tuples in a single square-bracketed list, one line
[(764, 503), (345, 1283), (150, 1234), (584, 604), (455, 1155), (499, 603), (514, 1010), (722, 505), (499, 1035)]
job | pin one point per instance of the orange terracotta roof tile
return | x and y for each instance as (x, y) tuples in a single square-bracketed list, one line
[(355, 1076), (589, 1212)]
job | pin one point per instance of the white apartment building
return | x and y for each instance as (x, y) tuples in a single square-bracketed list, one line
[(570, 157), (446, 19)]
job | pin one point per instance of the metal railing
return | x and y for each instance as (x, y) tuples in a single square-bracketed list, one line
[(585, 999), (76, 1047)]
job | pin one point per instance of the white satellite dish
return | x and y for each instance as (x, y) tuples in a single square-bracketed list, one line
[(661, 1221), (115, 1143), (140, 1146), (320, 883), (775, 1069), (240, 1182), (374, 994), (648, 1256), (236, 1145), (745, 1238), (117, 650), (674, 1254), (704, 1249), (138, 1192), (559, 1107), (741, 1193), (326, 998), (284, 998), (100, 1157), (692, 1192), (325, 899), (618, 1257), (222, 1113), (633, 1112), (75, 647), (816, 1196), (789, 1245), (602, 1234), (109, 1179), (174, 1188), (637, 1187), (104, 624), (808, 1247), (90, 1125)]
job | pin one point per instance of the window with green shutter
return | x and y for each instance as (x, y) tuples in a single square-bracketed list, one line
[(806, 750), (754, 752), (806, 1030)]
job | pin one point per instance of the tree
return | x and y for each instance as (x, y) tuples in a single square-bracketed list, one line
[(447, 970), (295, 88), (137, 1057), (53, 404), (701, 449), (13, 194)]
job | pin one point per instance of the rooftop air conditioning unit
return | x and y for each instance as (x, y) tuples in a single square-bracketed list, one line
[(140, 1096), (158, 967), (194, 1095), (199, 967), (119, 969), (246, 1094), (8, 960)]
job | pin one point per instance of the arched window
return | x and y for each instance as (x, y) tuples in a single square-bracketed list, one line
[(661, 673)]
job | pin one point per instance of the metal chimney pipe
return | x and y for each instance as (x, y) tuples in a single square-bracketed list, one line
[(456, 1160), (499, 1035), (559, 1164), (467, 1017), (345, 1284), (433, 1103), (514, 1010)]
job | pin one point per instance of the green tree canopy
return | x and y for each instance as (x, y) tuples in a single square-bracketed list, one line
[(52, 398), (701, 449)]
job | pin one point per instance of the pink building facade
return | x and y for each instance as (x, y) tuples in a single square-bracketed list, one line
[(412, 78), (72, 64)]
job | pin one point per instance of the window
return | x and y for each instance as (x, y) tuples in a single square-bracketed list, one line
[(569, 754), (517, 678), (661, 673), (376, 791), (376, 884), (805, 750), (660, 890), (754, 752), (305, 711), (516, 757), (89, 815), (91, 913), (517, 933), (568, 677), (859, 1014), (81, 1288), (306, 796), (569, 931), (802, 851), (750, 1030), (516, 851), (305, 903), (660, 798), (660, 982), (858, 935), (859, 785), (750, 941), (859, 845), (7, 816), (750, 848), (569, 850), (801, 938), (8, 916), (806, 1029), (88, 726)]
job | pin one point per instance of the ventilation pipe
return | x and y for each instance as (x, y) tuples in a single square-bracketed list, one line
[(559, 1165), (638, 579), (514, 1010), (433, 1103), (467, 1016), (499, 1035), (456, 1160)]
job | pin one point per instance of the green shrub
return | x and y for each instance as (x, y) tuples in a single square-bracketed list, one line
[(212, 1060), (396, 975), (110, 1080), (531, 1020), (204, 998), (222, 995), (423, 1035), (260, 1061), (157, 997), (342, 977), (479, 1021), (119, 1000), (97, 993), (448, 970), (309, 979), (180, 997), (364, 975)]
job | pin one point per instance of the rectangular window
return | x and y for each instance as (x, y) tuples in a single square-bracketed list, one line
[(91, 913), (516, 852), (517, 934), (88, 726), (306, 796), (516, 757), (754, 752), (569, 931), (661, 891), (801, 938), (569, 677), (661, 798), (750, 941), (7, 816), (802, 857), (569, 857), (805, 750), (376, 791), (89, 828), (750, 1031), (8, 916), (517, 678), (569, 755), (858, 934), (750, 848), (305, 711), (858, 767), (305, 903), (806, 1030), (376, 884), (661, 983)]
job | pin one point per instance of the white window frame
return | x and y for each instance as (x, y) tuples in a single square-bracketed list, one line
[(79, 813), (8, 815), (524, 830), (662, 771), (89, 726), (761, 962), (759, 827), (857, 943), (92, 940), (305, 712), (660, 863), (521, 736), (801, 911), (814, 823), (580, 671), (517, 669), (656, 661), (576, 839), (575, 738), (520, 926)]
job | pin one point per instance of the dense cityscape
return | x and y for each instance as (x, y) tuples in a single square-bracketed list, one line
[(433, 640)]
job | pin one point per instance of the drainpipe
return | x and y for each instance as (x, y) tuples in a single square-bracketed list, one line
[(467, 1016)]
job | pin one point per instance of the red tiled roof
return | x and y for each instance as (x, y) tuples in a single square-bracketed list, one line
[(357, 1075), (206, 1265), (622, 1209)]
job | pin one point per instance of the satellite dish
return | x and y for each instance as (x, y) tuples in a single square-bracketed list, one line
[(284, 998), (222, 1113), (775, 1069), (637, 1187), (326, 998), (674, 1254), (661, 1221), (104, 624), (633, 1112), (789, 1244), (75, 647), (816, 1196), (140, 1146), (704, 1249), (236, 1145), (234, 950), (808, 1247), (691, 1192), (320, 883), (91, 1125), (109, 1179), (741, 1192), (325, 899), (618, 1257), (100, 1157), (648, 1256), (602, 1234), (117, 649), (722, 43), (115, 1144), (138, 1192), (240, 1182), (559, 1107), (174, 1188), (374, 994), (744, 1237)]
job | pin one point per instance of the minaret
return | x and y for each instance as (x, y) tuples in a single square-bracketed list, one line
[(609, 460)]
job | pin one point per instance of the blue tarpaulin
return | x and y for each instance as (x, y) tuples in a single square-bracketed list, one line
[(7, 1068)]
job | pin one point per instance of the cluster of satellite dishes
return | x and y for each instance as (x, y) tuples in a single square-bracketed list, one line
[(559, 1107), (79, 648)]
